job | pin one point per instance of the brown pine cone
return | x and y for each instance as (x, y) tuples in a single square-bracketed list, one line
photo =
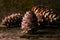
[(45, 15), (13, 20), (29, 23)]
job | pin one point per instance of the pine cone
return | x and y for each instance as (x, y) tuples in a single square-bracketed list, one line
[(29, 23), (13, 20), (45, 15)]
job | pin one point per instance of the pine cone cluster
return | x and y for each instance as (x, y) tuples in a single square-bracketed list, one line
[(32, 20)]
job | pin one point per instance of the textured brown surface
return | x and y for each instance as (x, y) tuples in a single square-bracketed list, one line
[(14, 34)]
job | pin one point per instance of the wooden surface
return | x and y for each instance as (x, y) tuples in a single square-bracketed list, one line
[(44, 34)]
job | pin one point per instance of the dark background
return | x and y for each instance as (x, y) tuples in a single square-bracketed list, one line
[(9, 6)]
